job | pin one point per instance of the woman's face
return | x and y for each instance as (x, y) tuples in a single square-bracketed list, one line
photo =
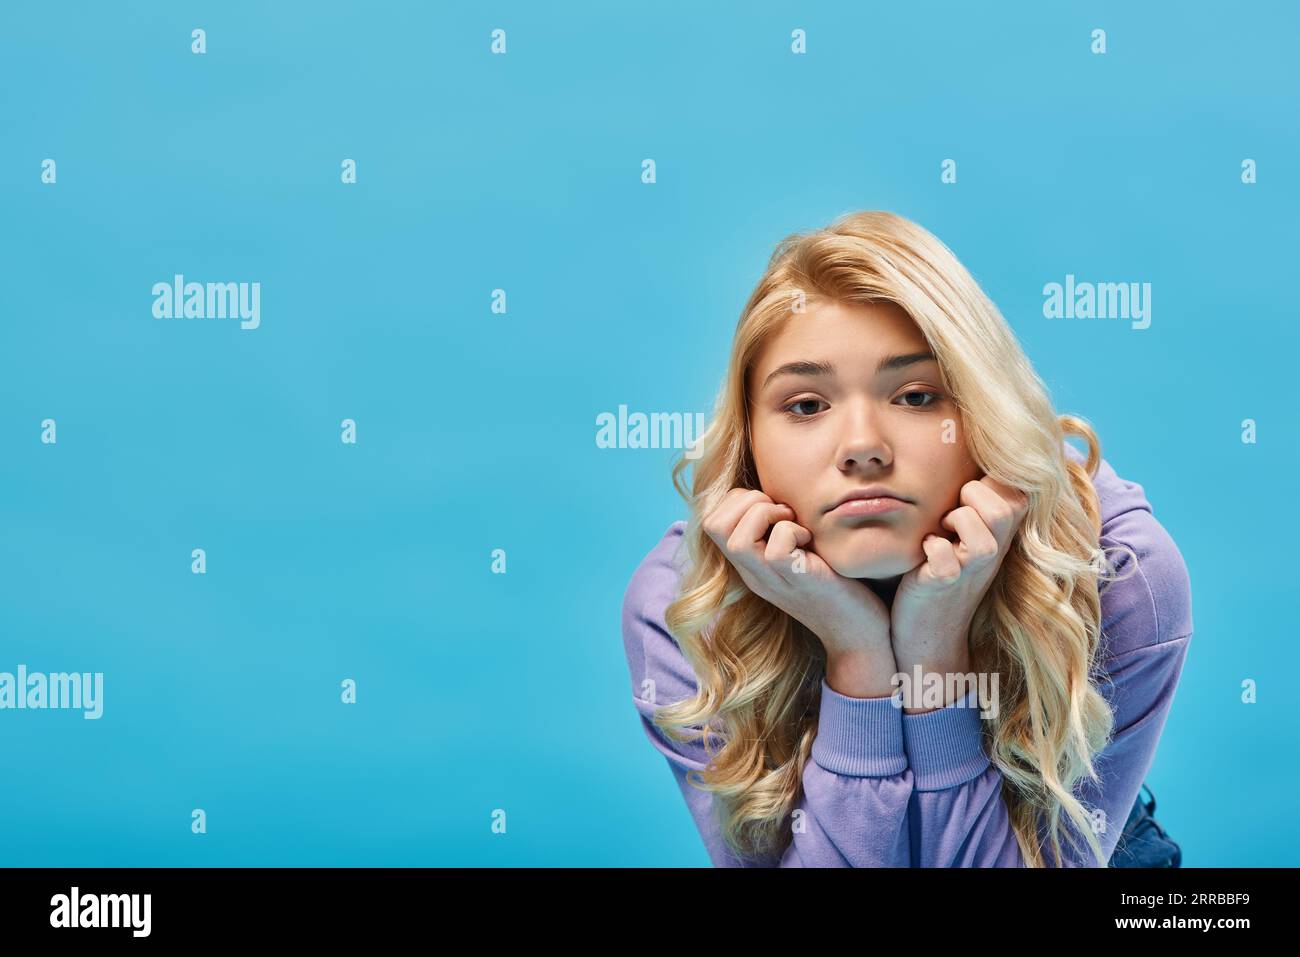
[(848, 396)]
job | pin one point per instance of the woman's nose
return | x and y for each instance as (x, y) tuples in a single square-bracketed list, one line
[(863, 443)]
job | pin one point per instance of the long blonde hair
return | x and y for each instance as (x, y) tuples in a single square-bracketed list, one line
[(759, 670)]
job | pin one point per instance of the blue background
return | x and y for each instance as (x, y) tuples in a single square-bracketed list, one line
[(476, 430)]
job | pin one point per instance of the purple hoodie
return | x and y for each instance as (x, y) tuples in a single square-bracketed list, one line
[(888, 789)]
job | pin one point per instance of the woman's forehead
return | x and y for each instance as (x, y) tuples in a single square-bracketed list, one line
[(848, 341)]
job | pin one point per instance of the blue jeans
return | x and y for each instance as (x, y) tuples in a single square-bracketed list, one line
[(1144, 842)]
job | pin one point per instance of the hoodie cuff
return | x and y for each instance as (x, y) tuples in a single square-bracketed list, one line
[(945, 747), (859, 737)]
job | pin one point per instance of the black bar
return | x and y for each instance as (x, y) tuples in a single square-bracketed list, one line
[(330, 905)]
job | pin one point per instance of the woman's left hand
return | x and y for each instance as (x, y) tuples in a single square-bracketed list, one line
[(935, 602)]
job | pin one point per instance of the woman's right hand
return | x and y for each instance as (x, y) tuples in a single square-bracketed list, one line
[(849, 618)]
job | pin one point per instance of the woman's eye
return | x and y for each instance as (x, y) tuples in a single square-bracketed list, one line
[(922, 405), (794, 405)]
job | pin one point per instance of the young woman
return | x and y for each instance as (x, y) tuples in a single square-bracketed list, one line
[(883, 494)]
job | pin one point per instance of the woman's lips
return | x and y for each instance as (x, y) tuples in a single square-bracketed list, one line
[(866, 506)]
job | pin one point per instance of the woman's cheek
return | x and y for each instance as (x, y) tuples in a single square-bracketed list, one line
[(931, 523)]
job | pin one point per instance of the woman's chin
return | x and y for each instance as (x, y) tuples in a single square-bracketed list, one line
[(870, 566), (875, 553)]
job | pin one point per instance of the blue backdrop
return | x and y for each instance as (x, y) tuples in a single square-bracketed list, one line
[(475, 428)]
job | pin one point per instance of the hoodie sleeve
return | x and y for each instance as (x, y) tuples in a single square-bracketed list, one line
[(958, 816), (853, 809)]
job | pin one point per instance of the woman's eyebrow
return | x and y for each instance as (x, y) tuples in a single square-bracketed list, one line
[(822, 368)]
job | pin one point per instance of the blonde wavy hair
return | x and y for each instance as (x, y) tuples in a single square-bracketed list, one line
[(759, 670)]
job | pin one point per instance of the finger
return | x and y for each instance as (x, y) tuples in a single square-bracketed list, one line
[(752, 529), (1005, 491), (785, 538), (976, 542), (999, 505), (721, 522), (941, 559)]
